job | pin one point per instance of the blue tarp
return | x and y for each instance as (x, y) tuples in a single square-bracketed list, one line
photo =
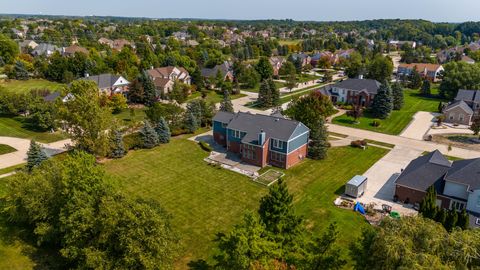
[(359, 208)]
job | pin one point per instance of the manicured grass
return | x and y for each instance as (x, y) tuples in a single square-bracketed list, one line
[(26, 86), (398, 120), (11, 169), (389, 145), (451, 158), (18, 127), (204, 199), (126, 115), (5, 149), (257, 88), (213, 96)]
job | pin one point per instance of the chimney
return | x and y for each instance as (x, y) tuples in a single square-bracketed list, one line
[(261, 137)]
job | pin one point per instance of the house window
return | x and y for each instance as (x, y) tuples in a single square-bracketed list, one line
[(277, 144), (452, 116), (456, 205), (249, 152), (478, 201), (236, 134), (460, 117), (274, 156), (224, 125)]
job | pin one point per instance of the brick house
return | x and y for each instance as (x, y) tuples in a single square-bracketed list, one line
[(262, 140), (165, 77), (457, 183), (427, 71), (353, 91)]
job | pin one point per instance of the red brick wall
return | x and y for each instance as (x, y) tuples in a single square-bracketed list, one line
[(416, 196), (296, 156), (234, 147), (260, 155), (220, 138)]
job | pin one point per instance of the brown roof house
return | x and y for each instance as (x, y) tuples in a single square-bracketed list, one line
[(428, 71), (164, 77), (71, 50)]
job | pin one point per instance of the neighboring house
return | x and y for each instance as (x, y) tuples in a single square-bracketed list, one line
[(57, 95), (45, 49), (27, 45), (304, 58), (464, 108), (327, 55), (109, 83), (397, 44), (262, 140), (71, 50), (467, 59), (106, 41), (192, 43), (277, 63), (116, 44), (165, 77), (18, 33), (225, 70), (457, 183), (353, 91), (427, 71)]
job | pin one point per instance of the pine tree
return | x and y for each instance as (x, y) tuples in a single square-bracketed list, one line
[(463, 220), (191, 123), (20, 71), (425, 91), (397, 95), (149, 136), (451, 221), (264, 96), (428, 206), (441, 216), (149, 91), (318, 146), (415, 79), (118, 148), (226, 105), (35, 156), (274, 93), (163, 131), (382, 103)]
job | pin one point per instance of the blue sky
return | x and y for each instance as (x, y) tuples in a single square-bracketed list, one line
[(319, 10)]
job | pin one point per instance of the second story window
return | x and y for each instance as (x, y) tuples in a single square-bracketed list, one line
[(236, 134), (277, 144)]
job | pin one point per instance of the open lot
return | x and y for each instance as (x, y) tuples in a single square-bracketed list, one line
[(398, 120), (204, 199), (18, 127), (25, 86)]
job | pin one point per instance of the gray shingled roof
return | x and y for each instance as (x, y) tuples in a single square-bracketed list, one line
[(424, 171), (371, 86), (465, 172), (212, 72), (223, 117), (103, 80), (468, 95), (51, 97), (460, 104), (253, 124)]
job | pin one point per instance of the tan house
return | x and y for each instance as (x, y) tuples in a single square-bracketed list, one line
[(428, 71), (458, 113), (71, 50), (165, 77)]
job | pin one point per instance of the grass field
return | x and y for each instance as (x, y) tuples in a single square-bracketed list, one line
[(26, 86), (213, 96), (17, 127), (126, 115), (5, 149), (256, 89), (398, 120), (204, 199)]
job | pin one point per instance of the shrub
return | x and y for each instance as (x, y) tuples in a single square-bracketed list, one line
[(376, 123), (205, 146), (132, 141), (359, 144)]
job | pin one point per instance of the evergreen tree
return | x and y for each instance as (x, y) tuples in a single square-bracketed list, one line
[(274, 93), (451, 221), (149, 136), (149, 91), (318, 146), (415, 80), (20, 71), (118, 148), (463, 220), (428, 206), (440, 107), (397, 95), (382, 103), (264, 95), (191, 123), (441, 216), (226, 104), (35, 155), (163, 131), (425, 91), (264, 68)]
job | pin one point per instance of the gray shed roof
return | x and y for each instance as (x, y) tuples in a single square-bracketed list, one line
[(465, 172), (425, 171), (371, 86), (468, 95), (357, 180), (464, 106)]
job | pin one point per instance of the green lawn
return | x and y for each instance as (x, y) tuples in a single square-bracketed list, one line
[(11, 169), (398, 120), (213, 96), (256, 89), (127, 117), (26, 86), (204, 199), (5, 149), (18, 127)]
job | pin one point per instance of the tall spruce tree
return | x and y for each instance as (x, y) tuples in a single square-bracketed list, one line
[(163, 131), (415, 80), (463, 220), (382, 103), (191, 123), (441, 216), (149, 91), (318, 145), (149, 136), (264, 95), (226, 104), (35, 155), (428, 206), (118, 147), (274, 93), (425, 90), (397, 96), (451, 221)]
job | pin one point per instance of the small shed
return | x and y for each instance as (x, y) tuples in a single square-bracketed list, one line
[(356, 186)]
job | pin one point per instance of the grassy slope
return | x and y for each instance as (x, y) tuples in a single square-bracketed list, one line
[(25, 86), (204, 200), (16, 127), (398, 120), (5, 149)]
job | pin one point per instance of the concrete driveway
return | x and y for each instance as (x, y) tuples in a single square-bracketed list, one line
[(419, 126), (382, 176)]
